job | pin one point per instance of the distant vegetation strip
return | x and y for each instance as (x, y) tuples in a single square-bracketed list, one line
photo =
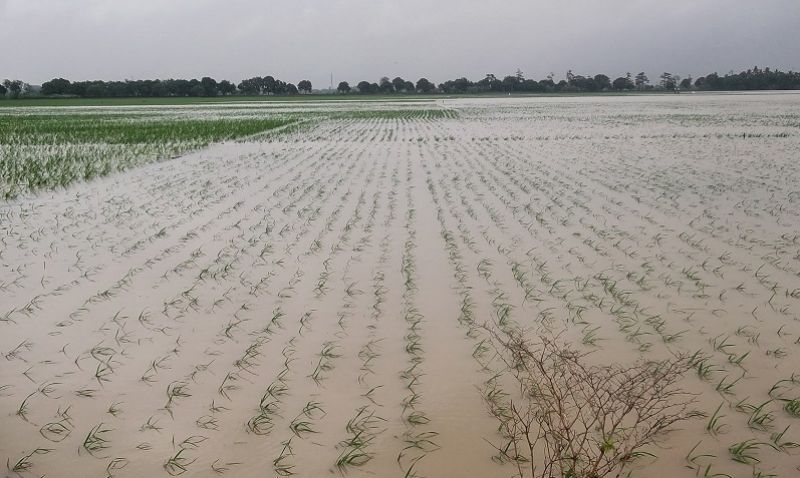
[(45, 101), (207, 87), (125, 129)]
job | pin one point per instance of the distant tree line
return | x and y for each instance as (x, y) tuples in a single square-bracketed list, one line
[(753, 79), (13, 88), (205, 86)]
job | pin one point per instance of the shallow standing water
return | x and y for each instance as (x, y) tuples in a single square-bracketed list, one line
[(297, 306)]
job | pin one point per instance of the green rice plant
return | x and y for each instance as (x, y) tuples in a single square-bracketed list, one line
[(214, 408), (279, 464), (761, 474), (24, 409), (151, 424), (369, 393), (329, 351), (761, 418), (207, 422), (693, 459), (670, 338), (96, 441), (480, 349), (410, 471), (261, 424), (721, 344), (102, 373), (354, 451), (178, 464), (416, 418), (778, 443), (176, 390), (709, 473), (16, 352), (782, 387), (715, 425), (228, 385), (115, 465), (778, 353), (792, 407), (738, 359), (277, 389), (192, 442), (25, 463), (300, 426), (725, 386), (220, 468), (423, 441), (745, 451), (590, 335)]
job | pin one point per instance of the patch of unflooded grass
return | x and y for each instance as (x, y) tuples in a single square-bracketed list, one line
[(46, 151)]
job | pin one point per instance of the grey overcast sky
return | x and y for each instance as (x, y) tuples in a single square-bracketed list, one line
[(367, 39)]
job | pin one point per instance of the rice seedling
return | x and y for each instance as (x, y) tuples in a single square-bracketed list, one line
[(25, 463), (176, 390), (726, 385), (745, 451), (761, 418), (115, 465), (693, 459), (24, 409), (792, 407), (151, 424), (777, 441), (96, 440), (715, 425), (353, 453), (280, 464), (221, 468), (178, 464)]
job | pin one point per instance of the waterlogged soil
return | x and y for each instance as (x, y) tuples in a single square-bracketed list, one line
[(312, 305)]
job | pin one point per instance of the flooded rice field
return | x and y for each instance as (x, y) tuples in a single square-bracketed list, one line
[(331, 299)]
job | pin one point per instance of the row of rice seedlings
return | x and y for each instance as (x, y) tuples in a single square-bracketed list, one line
[(493, 394), (734, 358), (271, 401), (122, 336), (419, 440), (303, 425), (355, 450)]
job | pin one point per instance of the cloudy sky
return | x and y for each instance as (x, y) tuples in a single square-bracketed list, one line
[(367, 39)]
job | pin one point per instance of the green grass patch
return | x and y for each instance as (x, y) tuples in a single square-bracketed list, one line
[(46, 151), (122, 129)]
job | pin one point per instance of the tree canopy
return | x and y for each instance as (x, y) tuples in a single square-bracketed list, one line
[(753, 79), (304, 86)]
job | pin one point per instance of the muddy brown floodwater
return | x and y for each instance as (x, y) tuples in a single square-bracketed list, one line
[(311, 305)]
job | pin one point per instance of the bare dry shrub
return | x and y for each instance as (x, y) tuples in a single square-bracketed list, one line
[(576, 420)]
